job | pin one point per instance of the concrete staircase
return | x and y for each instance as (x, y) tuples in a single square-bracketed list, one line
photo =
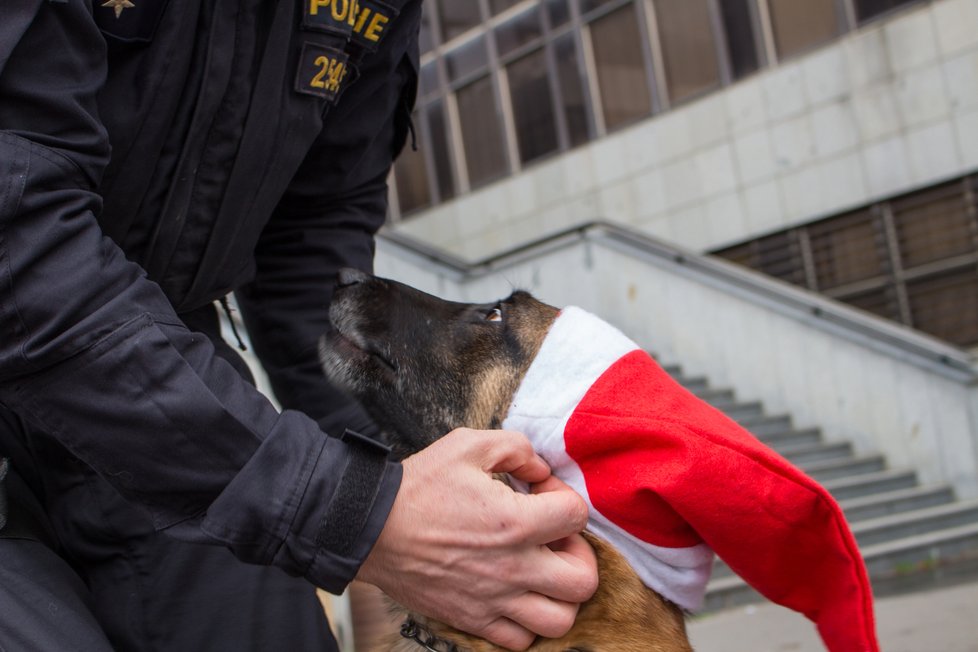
[(911, 536)]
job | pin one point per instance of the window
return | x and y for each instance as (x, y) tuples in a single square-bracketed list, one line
[(519, 31), (425, 40), (866, 9), (913, 259), (533, 110), (881, 301), (620, 67), (572, 100), (440, 157), (428, 80), (467, 59), (558, 12), (742, 41), (588, 6), (688, 49), (776, 255), (845, 250), (457, 17), (496, 6), (799, 26), (532, 77), (485, 152), (933, 225), (412, 179), (946, 305)]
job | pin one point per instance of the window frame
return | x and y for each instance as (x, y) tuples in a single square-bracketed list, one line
[(579, 25)]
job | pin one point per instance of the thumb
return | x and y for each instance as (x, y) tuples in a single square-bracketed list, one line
[(511, 452)]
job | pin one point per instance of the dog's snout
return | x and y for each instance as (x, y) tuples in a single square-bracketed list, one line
[(349, 276)]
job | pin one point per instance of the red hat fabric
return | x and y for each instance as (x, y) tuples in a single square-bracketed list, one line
[(669, 480)]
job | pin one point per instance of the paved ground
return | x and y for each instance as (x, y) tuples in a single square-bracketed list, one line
[(939, 620)]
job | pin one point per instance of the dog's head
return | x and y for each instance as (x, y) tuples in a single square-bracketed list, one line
[(423, 366)]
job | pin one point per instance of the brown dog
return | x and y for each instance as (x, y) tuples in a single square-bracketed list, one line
[(423, 366)]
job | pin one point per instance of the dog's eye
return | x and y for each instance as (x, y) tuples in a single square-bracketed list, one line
[(494, 315)]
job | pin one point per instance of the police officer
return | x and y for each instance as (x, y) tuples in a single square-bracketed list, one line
[(154, 156)]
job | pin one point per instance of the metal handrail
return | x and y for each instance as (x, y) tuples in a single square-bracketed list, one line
[(780, 295)]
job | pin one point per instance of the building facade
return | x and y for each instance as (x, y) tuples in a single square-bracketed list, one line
[(830, 143)]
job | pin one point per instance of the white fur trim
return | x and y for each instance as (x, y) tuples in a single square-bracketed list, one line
[(577, 350)]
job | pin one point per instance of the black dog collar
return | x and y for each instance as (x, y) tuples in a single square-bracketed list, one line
[(421, 635)]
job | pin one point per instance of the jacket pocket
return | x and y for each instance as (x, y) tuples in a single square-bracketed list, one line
[(129, 22)]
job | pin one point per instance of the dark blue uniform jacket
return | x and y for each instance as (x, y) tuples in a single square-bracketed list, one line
[(155, 155)]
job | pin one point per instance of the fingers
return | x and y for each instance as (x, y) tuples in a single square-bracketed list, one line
[(566, 575), (554, 515), (537, 613), (552, 483), (504, 451), (554, 510), (503, 572), (529, 616), (559, 510), (579, 555), (505, 633)]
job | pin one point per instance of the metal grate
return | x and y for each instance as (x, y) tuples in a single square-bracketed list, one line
[(913, 259)]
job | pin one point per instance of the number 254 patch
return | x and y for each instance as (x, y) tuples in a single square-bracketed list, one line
[(322, 71)]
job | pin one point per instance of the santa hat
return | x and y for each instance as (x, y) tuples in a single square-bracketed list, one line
[(669, 480)]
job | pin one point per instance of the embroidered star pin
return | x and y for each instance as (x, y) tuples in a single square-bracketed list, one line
[(118, 6)]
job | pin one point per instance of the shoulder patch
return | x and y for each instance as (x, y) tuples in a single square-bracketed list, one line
[(322, 71), (364, 21), (373, 22), (332, 16)]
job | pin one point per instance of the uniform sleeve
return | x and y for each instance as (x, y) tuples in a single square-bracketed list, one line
[(327, 220), (93, 354)]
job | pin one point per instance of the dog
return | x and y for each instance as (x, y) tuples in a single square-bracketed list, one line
[(669, 480), (423, 366)]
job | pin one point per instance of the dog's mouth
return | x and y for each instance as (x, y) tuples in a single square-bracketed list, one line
[(353, 346)]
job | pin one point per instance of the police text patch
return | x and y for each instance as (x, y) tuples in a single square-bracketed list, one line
[(373, 21), (334, 16), (365, 21)]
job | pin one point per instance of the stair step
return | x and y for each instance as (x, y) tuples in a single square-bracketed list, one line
[(821, 452), (905, 563), (894, 502), (728, 403), (673, 370), (834, 469), (921, 521), (763, 425), (716, 396), (792, 438), (924, 559), (738, 411), (694, 384), (729, 591), (871, 483)]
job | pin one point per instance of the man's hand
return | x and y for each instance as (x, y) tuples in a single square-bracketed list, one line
[(466, 549)]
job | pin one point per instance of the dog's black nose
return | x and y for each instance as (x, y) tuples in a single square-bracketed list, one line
[(349, 276)]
